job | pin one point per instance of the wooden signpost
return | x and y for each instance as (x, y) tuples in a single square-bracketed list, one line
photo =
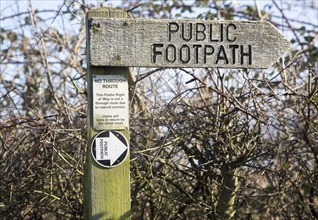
[(107, 179), (185, 43), (114, 43)]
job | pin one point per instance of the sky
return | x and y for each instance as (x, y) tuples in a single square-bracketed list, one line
[(9, 7)]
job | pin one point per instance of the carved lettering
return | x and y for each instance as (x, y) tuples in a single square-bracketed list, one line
[(199, 53), (208, 50), (199, 42), (216, 32), (171, 53), (185, 53), (222, 56), (173, 27), (228, 31), (246, 54), (155, 52), (186, 32), (196, 52), (234, 47), (200, 32)]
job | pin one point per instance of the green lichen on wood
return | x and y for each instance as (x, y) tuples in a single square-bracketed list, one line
[(107, 191)]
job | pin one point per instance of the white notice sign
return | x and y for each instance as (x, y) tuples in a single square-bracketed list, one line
[(110, 102)]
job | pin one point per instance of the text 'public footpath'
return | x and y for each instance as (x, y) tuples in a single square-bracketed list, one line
[(192, 34)]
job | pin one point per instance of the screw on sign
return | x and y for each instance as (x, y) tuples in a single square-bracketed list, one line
[(109, 148)]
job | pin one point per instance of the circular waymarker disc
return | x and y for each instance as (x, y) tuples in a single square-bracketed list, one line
[(109, 148)]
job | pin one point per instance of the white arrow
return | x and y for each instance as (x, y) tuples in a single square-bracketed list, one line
[(109, 149), (116, 148)]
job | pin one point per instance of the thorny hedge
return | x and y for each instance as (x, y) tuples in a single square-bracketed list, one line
[(208, 143)]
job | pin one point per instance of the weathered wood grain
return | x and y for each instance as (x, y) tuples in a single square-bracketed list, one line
[(107, 191), (184, 43)]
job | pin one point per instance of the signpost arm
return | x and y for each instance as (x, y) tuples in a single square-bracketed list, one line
[(107, 191)]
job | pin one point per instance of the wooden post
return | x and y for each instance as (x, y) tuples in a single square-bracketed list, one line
[(107, 190)]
